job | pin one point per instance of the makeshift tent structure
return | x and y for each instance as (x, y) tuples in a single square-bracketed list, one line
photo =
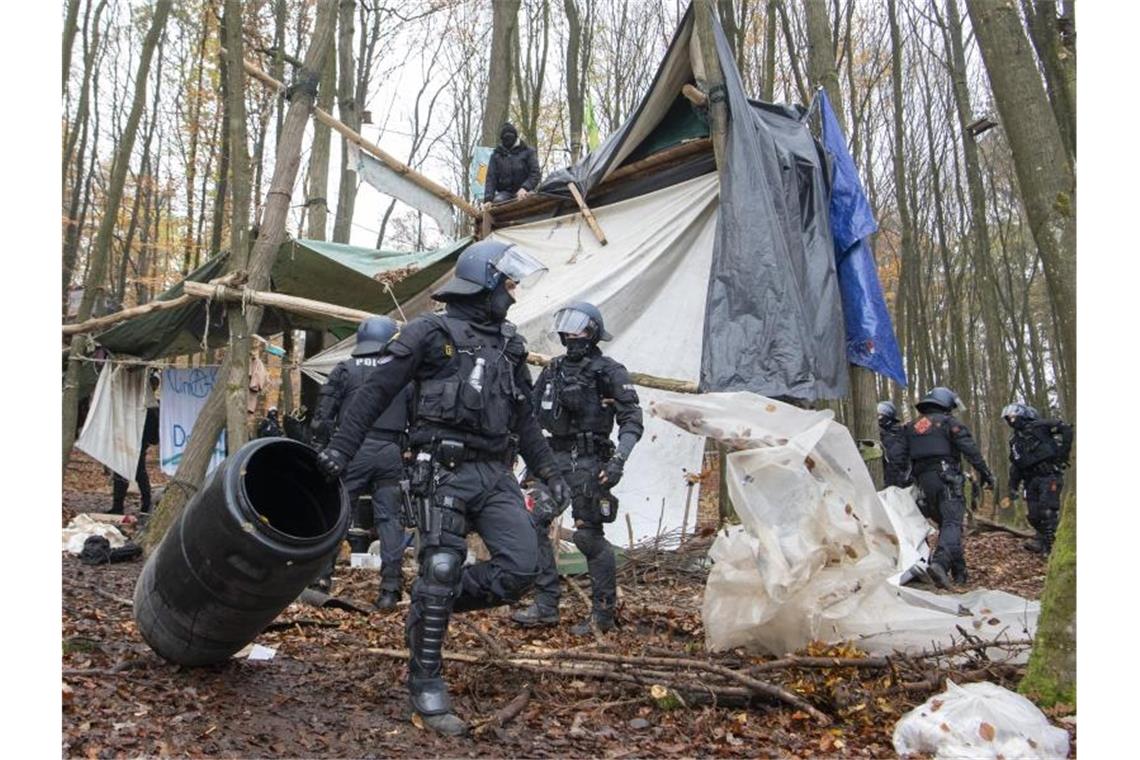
[(332, 272), (727, 279)]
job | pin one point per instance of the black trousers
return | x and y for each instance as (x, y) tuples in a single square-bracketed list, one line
[(376, 471), (1043, 499), (581, 475), (486, 498), (119, 486), (946, 505)]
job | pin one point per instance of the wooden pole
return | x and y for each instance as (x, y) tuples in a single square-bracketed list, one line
[(587, 214), (711, 78), (98, 323), (322, 309), (694, 96), (392, 163)]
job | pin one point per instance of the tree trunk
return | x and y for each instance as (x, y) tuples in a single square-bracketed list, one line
[(70, 27), (1059, 63), (192, 469), (237, 379), (505, 19), (996, 354), (768, 85), (575, 84), (218, 218), (1044, 173), (350, 115), (95, 280)]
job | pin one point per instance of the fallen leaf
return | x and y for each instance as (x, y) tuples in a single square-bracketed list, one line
[(945, 728), (935, 705), (986, 731)]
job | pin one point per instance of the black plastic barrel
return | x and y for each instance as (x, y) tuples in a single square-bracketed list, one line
[(262, 528)]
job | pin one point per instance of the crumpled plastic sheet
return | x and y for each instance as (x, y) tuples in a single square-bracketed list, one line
[(819, 554), (83, 526), (976, 721)]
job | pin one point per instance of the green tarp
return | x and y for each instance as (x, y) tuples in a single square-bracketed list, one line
[(330, 272)]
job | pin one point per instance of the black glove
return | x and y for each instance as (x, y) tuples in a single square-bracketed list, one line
[(331, 463), (322, 433), (560, 490), (988, 481), (612, 472)]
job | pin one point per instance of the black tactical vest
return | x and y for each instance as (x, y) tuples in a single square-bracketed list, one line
[(453, 401), (928, 437), (394, 419), (570, 401), (1033, 445)]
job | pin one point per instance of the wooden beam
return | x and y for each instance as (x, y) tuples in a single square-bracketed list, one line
[(535, 203), (392, 163), (694, 95), (587, 214), (320, 308), (98, 323), (710, 78)]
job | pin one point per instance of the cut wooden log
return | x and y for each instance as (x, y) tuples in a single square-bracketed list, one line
[(694, 95), (320, 308), (587, 214)]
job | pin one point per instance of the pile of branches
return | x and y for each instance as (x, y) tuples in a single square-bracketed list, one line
[(824, 683), (670, 555)]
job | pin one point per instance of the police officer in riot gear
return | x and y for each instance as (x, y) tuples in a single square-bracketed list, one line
[(936, 441), (471, 410), (377, 468), (578, 397), (1038, 452), (896, 467)]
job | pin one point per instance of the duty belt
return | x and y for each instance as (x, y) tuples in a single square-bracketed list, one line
[(450, 452), (584, 443)]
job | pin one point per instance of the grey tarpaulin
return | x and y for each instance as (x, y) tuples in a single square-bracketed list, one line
[(773, 322)]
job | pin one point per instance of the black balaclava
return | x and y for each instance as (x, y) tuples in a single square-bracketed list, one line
[(508, 135), (499, 301), (577, 349)]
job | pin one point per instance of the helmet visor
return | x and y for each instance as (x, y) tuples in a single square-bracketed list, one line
[(520, 266), (1012, 410), (570, 321)]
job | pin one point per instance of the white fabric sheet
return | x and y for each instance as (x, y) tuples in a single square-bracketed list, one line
[(819, 553), (650, 284), (112, 434)]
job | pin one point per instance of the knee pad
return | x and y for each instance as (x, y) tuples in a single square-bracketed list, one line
[(442, 566)]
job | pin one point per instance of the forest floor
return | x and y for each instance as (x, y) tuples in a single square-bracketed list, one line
[(336, 685)]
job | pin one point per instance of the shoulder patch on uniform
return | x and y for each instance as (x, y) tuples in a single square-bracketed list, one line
[(448, 350), (922, 425)]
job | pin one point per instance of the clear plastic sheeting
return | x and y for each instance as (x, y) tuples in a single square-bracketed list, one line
[(979, 720), (819, 553)]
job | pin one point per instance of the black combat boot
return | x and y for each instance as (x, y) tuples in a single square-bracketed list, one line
[(958, 572), (1035, 545), (604, 620), (939, 575), (535, 616), (387, 599)]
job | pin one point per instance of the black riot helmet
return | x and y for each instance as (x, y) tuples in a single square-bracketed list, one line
[(1017, 413), (373, 334), (579, 317), (887, 411), (939, 399), (486, 264)]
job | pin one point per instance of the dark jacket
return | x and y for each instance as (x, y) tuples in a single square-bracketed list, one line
[(511, 169), (1037, 449), (896, 464), (935, 439)]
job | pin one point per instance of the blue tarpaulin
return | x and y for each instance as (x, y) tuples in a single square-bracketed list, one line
[(871, 341)]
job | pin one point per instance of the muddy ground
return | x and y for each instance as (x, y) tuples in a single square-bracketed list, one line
[(325, 695)]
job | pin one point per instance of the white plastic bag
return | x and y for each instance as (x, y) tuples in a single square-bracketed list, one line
[(83, 526), (979, 720)]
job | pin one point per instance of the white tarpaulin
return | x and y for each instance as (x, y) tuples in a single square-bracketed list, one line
[(184, 392), (819, 553), (650, 284), (377, 174), (112, 434)]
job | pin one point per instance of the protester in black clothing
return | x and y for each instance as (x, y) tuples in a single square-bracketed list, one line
[(472, 408), (513, 169), (270, 427)]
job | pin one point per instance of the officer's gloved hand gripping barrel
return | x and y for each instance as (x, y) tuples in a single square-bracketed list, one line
[(262, 528)]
